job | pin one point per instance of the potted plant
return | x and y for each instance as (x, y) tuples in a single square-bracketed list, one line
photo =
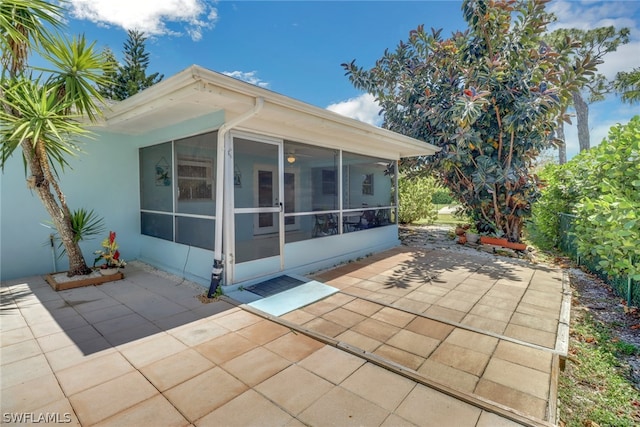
[(110, 255)]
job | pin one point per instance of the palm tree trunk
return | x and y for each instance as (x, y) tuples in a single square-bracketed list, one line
[(582, 120), (57, 209)]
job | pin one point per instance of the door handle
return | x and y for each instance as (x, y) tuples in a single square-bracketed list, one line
[(281, 206)]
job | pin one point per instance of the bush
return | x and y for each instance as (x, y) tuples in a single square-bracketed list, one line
[(416, 199), (442, 196)]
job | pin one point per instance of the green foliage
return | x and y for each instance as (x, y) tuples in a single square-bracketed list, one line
[(627, 84), (488, 97), (131, 77), (608, 224), (442, 196), (415, 199), (593, 388), (86, 224)]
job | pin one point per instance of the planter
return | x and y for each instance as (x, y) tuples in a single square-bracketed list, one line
[(517, 246), (498, 241), (60, 281), (472, 237), (109, 271), (462, 239)]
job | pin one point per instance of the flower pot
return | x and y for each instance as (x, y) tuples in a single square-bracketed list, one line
[(109, 271), (487, 240), (516, 246), (462, 239), (460, 231), (472, 237)]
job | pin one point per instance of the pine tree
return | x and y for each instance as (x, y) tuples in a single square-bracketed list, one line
[(131, 77)]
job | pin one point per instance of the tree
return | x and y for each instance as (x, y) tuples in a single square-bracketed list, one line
[(40, 114), (488, 97), (130, 78), (594, 45), (627, 84)]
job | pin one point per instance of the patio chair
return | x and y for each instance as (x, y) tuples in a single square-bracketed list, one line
[(325, 225)]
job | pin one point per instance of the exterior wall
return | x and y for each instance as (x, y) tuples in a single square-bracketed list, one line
[(104, 178)]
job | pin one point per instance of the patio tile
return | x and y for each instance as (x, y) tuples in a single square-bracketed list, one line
[(484, 324), (73, 354), (31, 395), (430, 328), (19, 351), (340, 407), (530, 335), (332, 364), (23, 370), (198, 332), (106, 313), (175, 321), (136, 333), (325, 327), (365, 308), (460, 358), (15, 336), (493, 313), (255, 366), (518, 377), (63, 410), (424, 297), (394, 420), (263, 332), (175, 369), (501, 303), (455, 304), (215, 387), (445, 313), (376, 329), (154, 307), (412, 342), (489, 419), (11, 321), (525, 356), (534, 310), (108, 327), (155, 411), (394, 317), (411, 305), (92, 372), (248, 409), (309, 387), (428, 407), (293, 346), (59, 325), (151, 350), (107, 399), (225, 347), (448, 375), (358, 340), (357, 291), (67, 337), (344, 317), (401, 357), (366, 382), (512, 398), (321, 307), (472, 340), (536, 322), (299, 317), (235, 320)]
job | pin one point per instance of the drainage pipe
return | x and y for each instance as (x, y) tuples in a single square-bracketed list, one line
[(216, 272)]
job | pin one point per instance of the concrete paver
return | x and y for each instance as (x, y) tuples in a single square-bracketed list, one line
[(101, 356)]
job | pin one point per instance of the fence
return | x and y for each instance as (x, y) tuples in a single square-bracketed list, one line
[(623, 286)]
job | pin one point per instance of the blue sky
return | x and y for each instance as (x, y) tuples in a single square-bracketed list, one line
[(296, 47)]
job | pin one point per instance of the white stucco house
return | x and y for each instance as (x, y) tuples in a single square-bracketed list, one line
[(204, 167)]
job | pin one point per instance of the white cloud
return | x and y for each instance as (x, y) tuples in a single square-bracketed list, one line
[(247, 76), (150, 16), (363, 108)]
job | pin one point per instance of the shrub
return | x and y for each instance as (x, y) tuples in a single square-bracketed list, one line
[(442, 196), (415, 201)]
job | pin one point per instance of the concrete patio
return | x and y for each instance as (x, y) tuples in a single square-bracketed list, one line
[(413, 337)]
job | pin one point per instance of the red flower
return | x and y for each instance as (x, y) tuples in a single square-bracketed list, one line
[(112, 237), (116, 255)]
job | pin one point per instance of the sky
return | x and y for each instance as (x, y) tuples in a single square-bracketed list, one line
[(295, 48)]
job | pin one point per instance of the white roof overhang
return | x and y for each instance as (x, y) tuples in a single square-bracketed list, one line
[(197, 91)]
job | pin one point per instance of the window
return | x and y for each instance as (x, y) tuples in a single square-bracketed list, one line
[(328, 181), (195, 179), (367, 185), (177, 191)]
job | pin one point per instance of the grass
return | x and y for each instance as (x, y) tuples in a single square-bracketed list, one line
[(443, 219), (594, 389)]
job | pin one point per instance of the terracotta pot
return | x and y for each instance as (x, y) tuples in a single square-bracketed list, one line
[(472, 237), (487, 240), (462, 239), (460, 231), (516, 246)]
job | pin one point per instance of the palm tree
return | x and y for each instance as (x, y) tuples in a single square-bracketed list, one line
[(41, 114)]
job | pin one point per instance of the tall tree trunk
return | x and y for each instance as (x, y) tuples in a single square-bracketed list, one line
[(57, 209), (582, 119), (562, 148)]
